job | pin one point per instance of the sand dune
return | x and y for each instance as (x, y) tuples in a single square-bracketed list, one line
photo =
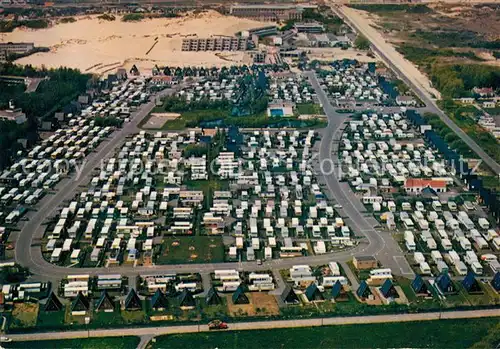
[(88, 44)]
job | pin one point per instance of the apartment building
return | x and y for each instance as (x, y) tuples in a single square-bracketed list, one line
[(215, 44)]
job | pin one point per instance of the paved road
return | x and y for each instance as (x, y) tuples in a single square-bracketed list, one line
[(399, 65), (145, 332), (380, 244)]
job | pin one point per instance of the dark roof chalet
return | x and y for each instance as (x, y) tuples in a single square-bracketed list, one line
[(336, 289), (186, 299), (289, 296), (105, 302), (496, 281), (239, 296), (133, 302), (313, 293), (388, 290), (159, 300), (471, 284), (444, 283), (363, 290), (418, 285), (81, 303), (53, 303), (213, 297)]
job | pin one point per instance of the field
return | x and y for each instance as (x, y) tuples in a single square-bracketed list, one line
[(196, 249), (80, 343), (261, 303), (425, 334), (457, 33)]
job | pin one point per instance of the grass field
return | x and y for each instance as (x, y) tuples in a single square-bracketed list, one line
[(80, 343), (196, 249), (425, 334), (309, 109)]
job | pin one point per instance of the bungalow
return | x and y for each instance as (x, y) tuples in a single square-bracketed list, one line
[(416, 185)]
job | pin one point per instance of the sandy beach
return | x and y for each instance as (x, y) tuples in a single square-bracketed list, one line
[(98, 46)]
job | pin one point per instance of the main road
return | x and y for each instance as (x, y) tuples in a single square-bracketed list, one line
[(403, 68), (149, 332)]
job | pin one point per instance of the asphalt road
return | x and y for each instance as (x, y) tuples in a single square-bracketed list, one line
[(391, 58), (148, 332)]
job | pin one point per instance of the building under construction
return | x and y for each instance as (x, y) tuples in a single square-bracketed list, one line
[(215, 44)]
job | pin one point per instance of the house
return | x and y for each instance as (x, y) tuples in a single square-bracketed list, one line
[(495, 282), (53, 303), (419, 286), (239, 296), (470, 284), (313, 294), (444, 284), (363, 290), (406, 101), (213, 297), (364, 262), (416, 185), (186, 300), (159, 300), (80, 305), (388, 290), (483, 91), (289, 296), (489, 104), (132, 302), (105, 303)]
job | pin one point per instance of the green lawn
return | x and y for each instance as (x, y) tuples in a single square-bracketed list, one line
[(425, 334), (195, 249), (80, 343), (309, 109)]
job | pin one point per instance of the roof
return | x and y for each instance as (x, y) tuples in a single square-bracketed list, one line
[(363, 290), (365, 258), (444, 283), (496, 281), (289, 296), (105, 302), (212, 297), (418, 285), (470, 283), (186, 299), (313, 293), (81, 303), (239, 296), (336, 289), (388, 290), (53, 303), (133, 302), (159, 300), (420, 182)]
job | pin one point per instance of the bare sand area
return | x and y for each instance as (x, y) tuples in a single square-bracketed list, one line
[(98, 46)]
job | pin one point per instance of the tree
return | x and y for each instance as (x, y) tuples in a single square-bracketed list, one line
[(361, 42)]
